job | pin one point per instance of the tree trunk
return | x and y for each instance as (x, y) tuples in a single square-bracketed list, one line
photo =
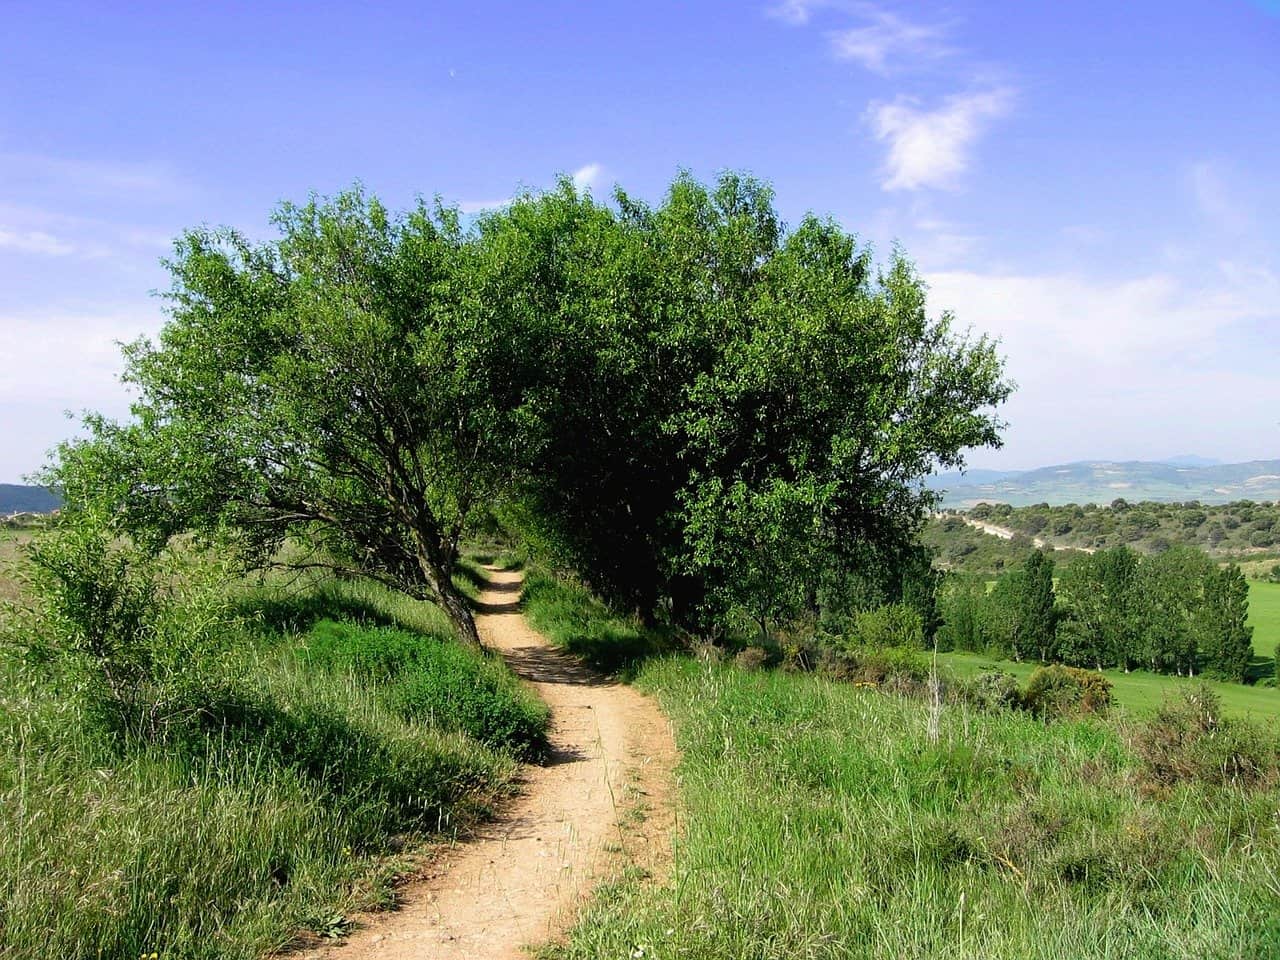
[(459, 614)]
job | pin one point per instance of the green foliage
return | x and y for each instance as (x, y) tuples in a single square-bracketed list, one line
[(1222, 529), (342, 386), (431, 681), (129, 632), (995, 690), (280, 805), (1058, 691), (734, 408), (890, 625), (900, 669), (568, 614)]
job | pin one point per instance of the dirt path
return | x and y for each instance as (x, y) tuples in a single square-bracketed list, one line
[(600, 803), (1004, 533)]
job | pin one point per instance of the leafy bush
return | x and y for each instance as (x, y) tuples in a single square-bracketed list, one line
[(137, 633), (435, 681), (1058, 691), (995, 690), (1188, 739), (889, 625), (897, 668), (752, 658)]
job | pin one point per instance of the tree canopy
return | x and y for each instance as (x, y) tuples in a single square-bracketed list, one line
[(695, 407)]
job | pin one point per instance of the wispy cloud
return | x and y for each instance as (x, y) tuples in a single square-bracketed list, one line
[(888, 40), (585, 178), (796, 12), (34, 241), (1215, 199), (931, 148), (1148, 361)]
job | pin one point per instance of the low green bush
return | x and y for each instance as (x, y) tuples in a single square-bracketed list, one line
[(994, 690), (1058, 691), (899, 669), (887, 626)]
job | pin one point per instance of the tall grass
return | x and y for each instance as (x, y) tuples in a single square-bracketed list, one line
[(282, 805), (820, 821), (823, 819), (570, 616)]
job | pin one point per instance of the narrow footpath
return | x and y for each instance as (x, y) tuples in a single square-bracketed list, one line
[(600, 803)]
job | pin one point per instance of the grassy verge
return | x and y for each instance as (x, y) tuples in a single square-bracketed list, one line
[(1264, 615), (287, 802), (571, 617), (819, 820)]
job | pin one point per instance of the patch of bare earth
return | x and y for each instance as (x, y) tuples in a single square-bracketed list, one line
[(602, 803)]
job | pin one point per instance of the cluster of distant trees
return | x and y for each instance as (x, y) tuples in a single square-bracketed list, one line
[(1148, 526), (1173, 612)]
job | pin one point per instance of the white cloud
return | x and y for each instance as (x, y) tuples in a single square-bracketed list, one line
[(1215, 199), (585, 178), (887, 38), (34, 241), (1133, 368), (930, 148), (70, 358)]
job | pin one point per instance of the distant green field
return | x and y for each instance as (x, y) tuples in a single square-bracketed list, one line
[(1142, 692), (1264, 614)]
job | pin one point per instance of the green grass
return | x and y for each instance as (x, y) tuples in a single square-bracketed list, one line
[(1264, 614), (288, 802), (1141, 692), (1138, 692), (571, 617), (819, 820)]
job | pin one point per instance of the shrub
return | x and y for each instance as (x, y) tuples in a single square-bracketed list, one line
[(137, 632), (1058, 691), (887, 626), (752, 658), (1188, 739), (995, 690), (899, 669)]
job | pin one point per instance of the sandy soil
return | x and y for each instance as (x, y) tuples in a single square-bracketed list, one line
[(1004, 533), (601, 803)]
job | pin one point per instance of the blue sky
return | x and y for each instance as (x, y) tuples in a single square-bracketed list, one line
[(1094, 183)]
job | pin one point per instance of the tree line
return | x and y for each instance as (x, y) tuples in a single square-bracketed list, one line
[(1239, 526), (704, 412), (1173, 612)]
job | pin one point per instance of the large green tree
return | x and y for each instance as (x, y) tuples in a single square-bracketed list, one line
[(739, 407), (344, 387), (698, 409)]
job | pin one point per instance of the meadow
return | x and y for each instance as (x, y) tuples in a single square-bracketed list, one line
[(1141, 692), (820, 819), (341, 733)]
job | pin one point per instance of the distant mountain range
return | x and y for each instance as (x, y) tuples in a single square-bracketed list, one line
[(19, 498), (1101, 481)]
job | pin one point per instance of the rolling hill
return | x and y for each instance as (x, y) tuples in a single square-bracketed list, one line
[(20, 498), (1101, 481)]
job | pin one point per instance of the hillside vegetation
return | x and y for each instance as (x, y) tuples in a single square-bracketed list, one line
[(1239, 528), (1101, 482)]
